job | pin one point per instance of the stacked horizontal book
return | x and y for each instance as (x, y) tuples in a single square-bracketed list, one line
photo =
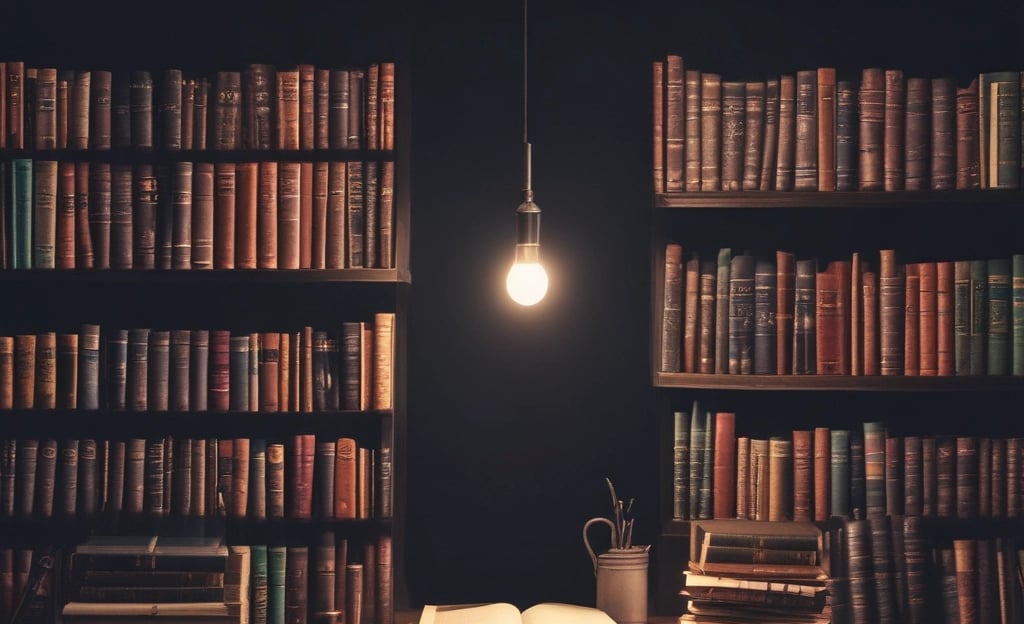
[(744, 570)]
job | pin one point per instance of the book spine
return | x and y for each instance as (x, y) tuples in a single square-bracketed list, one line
[(826, 127), (968, 146), (1017, 313), (321, 107), (202, 225), (356, 102), (754, 129), (67, 371), (659, 129), (287, 128), (804, 318), (741, 314), (692, 123), (978, 323), (224, 216), (296, 593), (288, 211), (711, 132), (893, 152), (65, 216), (257, 506), (912, 323), (821, 471), (846, 136), (305, 216), (6, 374), (732, 135), (872, 103), (806, 132), (874, 469), (267, 216), (140, 107), (785, 169), (770, 151), (894, 476), (44, 219), (891, 297), (765, 327), (917, 135), (780, 473), (803, 475), (706, 320), (674, 125), (724, 465), (839, 464), (998, 317), (691, 314), (46, 371)]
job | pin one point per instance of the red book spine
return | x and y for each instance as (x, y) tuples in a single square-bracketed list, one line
[(246, 185), (299, 474), (266, 216), (288, 215), (822, 472), (928, 353), (944, 316), (724, 465), (83, 237)]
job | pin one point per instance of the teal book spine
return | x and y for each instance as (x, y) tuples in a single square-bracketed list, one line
[(21, 214), (276, 561), (696, 459), (998, 316), (259, 580), (680, 465), (978, 327), (1017, 312), (840, 475)]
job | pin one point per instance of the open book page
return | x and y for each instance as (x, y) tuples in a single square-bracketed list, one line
[(558, 613), (493, 613)]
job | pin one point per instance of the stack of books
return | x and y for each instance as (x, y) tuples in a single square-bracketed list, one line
[(756, 571), (162, 580)]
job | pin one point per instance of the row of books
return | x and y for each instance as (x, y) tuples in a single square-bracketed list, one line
[(744, 314), (156, 370), (332, 577), (297, 477), (197, 215), (810, 131), (890, 570), (259, 106), (820, 473)]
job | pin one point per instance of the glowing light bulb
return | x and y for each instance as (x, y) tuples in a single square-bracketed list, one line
[(527, 282)]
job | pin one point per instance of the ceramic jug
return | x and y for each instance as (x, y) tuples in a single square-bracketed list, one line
[(621, 578)]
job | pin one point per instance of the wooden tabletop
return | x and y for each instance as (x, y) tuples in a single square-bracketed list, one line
[(412, 616)]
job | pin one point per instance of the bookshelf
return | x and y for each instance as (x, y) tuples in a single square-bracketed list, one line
[(287, 303), (920, 225)]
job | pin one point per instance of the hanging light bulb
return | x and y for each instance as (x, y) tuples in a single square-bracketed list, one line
[(527, 281)]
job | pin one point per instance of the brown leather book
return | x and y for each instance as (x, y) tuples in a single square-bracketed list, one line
[(120, 216), (869, 338), (145, 222), (6, 372), (1013, 467), (200, 114), (3, 109), (181, 240), (785, 302), (26, 467), (323, 479), (267, 216), (732, 134), (78, 111), (180, 483), (223, 217), (63, 104), (832, 319), (46, 473), (44, 218), (258, 84), (64, 257), (984, 477), (270, 356), (966, 477), (84, 257), (366, 465), (944, 302), (239, 477), (198, 369), (24, 371), (371, 104), (803, 475), (99, 110), (247, 179), (318, 259), (706, 317), (692, 162), (691, 313), (711, 132), (785, 169), (891, 306), (46, 371), (856, 315), (345, 479), (306, 370), (674, 130), (287, 122), (306, 106), (912, 322), (296, 592), (288, 216), (338, 113), (943, 133), (872, 103), (826, 94), (383, 361), (321, 108), (178, 372), (100, 178), (945, 477), (45, 111), (997, 509), (658, 129), (336, 221), (744, 480), (66, 482), (299, 474), (894, 132), (371, 213), (227, 113), (140, 108), (780, 477), (134, 477), (917, 137), (724, 465), (806, 135), (770, 152), (137, 372), (386, 218), (220, 370), (169, 105), (202, 215), (15, 104), (968, 141), (754, 135), (293, 377), (927, 308), (387, 106), (67, 370), (894, 476), (355, 215), (275, 480), (305, 215), (198, 481), (356, 109), (93, 466), (188, 113), (822, 472)]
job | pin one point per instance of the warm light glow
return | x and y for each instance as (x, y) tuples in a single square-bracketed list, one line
[(527, 283)]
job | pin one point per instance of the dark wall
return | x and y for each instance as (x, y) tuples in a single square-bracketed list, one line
[(517, 415)]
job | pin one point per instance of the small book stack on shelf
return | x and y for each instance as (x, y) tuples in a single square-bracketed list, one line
[(189, 580), (746, 570)]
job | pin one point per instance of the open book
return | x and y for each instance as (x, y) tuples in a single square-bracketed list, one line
[(504, 613)]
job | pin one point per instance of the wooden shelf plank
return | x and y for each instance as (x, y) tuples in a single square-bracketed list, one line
[(841, 199), (226, 276), (979, 383)]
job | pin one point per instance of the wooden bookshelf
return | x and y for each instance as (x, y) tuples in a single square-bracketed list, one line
[(773, 200), (841, 383)]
